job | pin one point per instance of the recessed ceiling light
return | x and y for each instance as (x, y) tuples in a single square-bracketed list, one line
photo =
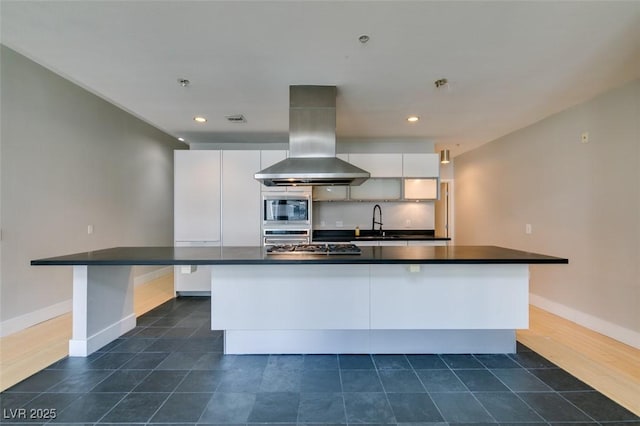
[(363, 38), (181, 139), (199, 119), (413, 118)]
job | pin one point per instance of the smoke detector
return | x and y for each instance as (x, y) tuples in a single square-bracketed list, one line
[(441, 83)]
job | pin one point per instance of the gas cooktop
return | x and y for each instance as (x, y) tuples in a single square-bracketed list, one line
[(314, 249)]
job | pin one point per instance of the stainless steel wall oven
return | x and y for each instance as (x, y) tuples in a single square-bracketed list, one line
[(286, 217)]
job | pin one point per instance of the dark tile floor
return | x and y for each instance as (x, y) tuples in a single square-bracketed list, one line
[(170, 369)]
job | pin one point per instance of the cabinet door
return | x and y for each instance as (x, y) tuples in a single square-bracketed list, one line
[(382, 189), (269, 158), (240, 198), (449, 297), (286, 297), (366, 243), (392, 243), (379, 165), (329, 193), (420, 165), (421, 189), (423, 243), (196, 203)]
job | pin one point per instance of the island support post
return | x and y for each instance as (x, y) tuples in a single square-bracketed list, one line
[(102, 306)]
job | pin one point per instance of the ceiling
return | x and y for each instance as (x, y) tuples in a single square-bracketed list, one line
[(509, 64)]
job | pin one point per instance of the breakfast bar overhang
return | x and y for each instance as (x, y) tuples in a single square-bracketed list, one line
[(438, 299)]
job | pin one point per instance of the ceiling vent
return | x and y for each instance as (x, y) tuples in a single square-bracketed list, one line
[(238, 118)]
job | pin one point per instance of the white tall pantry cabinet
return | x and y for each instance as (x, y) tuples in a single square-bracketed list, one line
[(196, 198), (196, 212), (240, 198), (216, 202)]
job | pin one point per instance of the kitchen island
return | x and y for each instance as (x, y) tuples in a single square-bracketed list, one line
[(443, 299)]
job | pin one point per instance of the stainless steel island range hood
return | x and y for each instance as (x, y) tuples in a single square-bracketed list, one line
[(312, 143)]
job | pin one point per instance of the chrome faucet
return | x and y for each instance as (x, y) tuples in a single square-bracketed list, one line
[(373, 219)]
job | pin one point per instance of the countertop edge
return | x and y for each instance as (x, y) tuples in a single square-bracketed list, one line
[(329, 261), (166, 256)]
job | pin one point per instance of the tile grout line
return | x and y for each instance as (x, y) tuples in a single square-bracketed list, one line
[(384, 389), (552, 391), (344, 401), (427, 390), (136, 385), (521, 367)]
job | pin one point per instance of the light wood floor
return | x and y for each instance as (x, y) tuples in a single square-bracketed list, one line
[(607, 365), (29, 351)]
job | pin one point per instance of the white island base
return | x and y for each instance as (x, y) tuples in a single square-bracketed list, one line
[(369, 308)]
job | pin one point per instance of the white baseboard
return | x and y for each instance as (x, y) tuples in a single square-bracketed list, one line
[(19, 323), (150, 276), (622, 334), (13, 325), (85, 348)]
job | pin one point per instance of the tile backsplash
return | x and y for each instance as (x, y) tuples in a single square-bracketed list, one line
[(348, 215)]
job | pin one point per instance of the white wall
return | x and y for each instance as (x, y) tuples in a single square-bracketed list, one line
[(69, 159), (384, 146), (582, 200)]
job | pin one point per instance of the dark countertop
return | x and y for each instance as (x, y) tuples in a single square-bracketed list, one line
[(338, 235), (257, 256)]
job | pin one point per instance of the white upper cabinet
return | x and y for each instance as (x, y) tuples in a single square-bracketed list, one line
[(269, 158), (377, 189), (330, 193), (420, 165), (240, 198), (379, 165), (196, 195)]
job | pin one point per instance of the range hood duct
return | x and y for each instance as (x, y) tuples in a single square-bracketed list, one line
[(312, 143)]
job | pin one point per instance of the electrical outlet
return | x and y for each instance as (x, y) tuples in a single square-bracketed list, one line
[(89, 229), (339, 223), (584, 137), (407, 223), (527, 228)]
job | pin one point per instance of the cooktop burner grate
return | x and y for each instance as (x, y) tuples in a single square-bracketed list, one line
[(314, 249)]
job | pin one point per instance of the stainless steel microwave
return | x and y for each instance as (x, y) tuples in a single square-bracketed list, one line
[(286, 209)]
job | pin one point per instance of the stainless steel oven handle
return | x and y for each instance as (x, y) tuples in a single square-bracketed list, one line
[(288, 240)]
